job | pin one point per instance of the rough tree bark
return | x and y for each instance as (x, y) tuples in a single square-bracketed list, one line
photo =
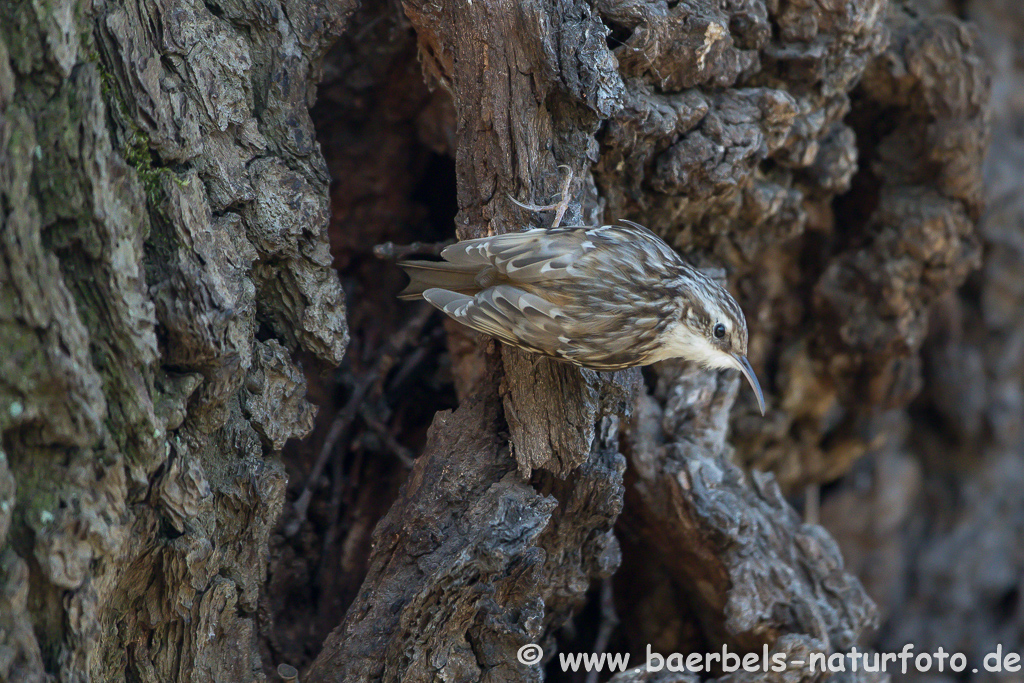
[(167, 276), (164, 254)]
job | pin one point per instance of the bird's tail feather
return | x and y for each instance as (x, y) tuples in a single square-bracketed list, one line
[(424, 275)]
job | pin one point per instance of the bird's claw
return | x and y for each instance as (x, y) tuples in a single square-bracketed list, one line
[(559, 207)]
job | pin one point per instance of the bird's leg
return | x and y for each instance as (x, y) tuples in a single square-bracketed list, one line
[(559, 207), (536, 364), (563, 204)]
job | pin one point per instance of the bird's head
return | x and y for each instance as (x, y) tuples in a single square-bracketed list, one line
[(713, 332)]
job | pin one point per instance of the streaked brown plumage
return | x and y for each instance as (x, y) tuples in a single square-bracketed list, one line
[(605, 298)]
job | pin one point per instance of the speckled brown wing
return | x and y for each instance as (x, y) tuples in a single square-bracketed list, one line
[(513, 315), (524, 257), (561, 292)]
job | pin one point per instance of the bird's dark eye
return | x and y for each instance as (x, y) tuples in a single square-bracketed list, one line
[(719, 331)]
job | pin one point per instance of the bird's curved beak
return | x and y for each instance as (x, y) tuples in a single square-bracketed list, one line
[(743, 365)]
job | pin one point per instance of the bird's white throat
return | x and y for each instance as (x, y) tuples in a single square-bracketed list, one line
[(681, 341)]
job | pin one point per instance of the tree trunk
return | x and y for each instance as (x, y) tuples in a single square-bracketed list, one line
[(173, 204), (164, 256)]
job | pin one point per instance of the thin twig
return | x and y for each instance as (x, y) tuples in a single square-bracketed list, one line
[(609, 622), (333, 514), (407, 457), (411, 362), (342, 422), (337, 433), (390, 251), (812, 504)]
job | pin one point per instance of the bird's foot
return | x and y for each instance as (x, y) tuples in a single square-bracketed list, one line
[(561, 206)]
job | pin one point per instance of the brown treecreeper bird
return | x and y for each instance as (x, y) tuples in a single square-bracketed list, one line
[(604, 298)]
